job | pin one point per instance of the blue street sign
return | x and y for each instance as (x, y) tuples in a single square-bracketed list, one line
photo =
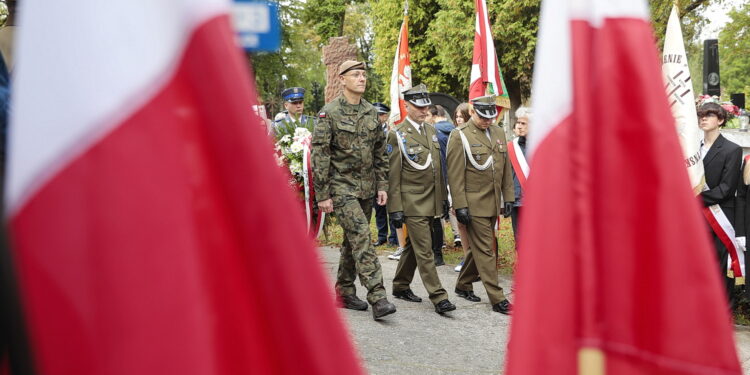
[(257, 24)]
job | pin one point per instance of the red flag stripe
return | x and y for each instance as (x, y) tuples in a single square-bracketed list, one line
[(143, 254)]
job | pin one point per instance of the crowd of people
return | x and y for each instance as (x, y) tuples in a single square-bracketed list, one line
[(436, 169), (432, 169)]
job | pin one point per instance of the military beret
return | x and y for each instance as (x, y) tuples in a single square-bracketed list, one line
[(293, 94), (382, 108), (485, 106), (350, 65), (418, 95)]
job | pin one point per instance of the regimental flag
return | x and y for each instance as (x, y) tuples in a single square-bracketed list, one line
[(143, 195), (486, 78), (401, 74), (621, 237), (679, 85)]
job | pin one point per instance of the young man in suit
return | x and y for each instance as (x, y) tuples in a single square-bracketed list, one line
[(721, 163)]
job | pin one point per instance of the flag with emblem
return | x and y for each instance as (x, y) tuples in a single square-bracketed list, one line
[(622, 241), (401, 74), (486, 78), (142, 195), (679, 85)]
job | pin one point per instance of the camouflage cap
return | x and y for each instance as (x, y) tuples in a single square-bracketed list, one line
[(485, 106), (350, 65), (418, 95)]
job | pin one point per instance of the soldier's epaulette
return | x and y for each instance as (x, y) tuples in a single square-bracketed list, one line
[(463, 126)]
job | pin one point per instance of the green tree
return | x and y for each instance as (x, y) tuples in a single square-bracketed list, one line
[(734, 54), (297, 64), (442, 32)]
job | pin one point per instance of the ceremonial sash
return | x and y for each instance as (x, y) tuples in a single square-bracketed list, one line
[(518, 161), (721, 225), (467, 149), (307, 176), (405, 155)]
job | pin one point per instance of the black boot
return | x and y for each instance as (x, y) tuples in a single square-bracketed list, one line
[(439, 258), (382, 308)]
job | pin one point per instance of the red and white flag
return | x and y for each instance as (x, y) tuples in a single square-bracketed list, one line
[(153, 232), (486, 78), (620, 239), (401, 73)]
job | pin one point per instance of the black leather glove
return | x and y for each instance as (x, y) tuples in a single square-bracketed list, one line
[(508, 207), (446, 206), (462, 215), (397, 218)]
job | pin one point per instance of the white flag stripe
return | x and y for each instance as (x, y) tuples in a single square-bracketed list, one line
[(552, 93), (88, 76), (552, 88)]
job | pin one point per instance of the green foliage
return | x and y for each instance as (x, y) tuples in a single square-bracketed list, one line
[(289, 127), (326, 17), (299, 61), (441, 34), (734, 54)]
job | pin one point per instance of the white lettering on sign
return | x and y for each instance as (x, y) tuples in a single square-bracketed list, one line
[(251, 17)]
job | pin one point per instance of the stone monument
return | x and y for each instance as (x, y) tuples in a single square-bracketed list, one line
[(337, 51)]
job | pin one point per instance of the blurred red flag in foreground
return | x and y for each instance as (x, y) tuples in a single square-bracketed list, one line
[(616, 274), (152, 230)]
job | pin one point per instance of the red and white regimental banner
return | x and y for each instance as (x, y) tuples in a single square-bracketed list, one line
[(142, 195)]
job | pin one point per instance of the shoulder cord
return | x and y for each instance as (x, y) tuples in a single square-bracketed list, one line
[(469, 156), (400, 141)]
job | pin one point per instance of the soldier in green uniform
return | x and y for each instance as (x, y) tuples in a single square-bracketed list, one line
[(417, 194), (480, 178), (350, 167)]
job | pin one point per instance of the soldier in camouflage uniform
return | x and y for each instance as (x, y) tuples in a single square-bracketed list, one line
[(350, 166)]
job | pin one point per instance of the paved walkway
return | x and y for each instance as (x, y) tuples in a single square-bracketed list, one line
[(416, 340)]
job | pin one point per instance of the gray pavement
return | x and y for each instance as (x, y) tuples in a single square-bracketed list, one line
[(416, 340)]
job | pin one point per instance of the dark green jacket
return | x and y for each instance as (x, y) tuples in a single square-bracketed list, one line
[(481, 191), (348, 151)]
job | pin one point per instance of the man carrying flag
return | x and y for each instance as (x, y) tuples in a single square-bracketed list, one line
[(401, 73), (620, 236), (135, 204), (700, 151)]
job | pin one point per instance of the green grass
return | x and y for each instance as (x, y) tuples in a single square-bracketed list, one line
[(451, 255)]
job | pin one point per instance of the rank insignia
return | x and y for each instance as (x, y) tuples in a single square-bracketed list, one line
[(388, 148)]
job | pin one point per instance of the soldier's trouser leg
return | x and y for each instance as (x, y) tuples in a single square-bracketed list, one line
[(354, 217), (347, 272), (469, 273), (482, 233), (418, 254)]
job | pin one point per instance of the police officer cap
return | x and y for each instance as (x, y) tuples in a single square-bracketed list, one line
[(382, 108), (293, 94), (485, 106), (350, 65), (418, 95)]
